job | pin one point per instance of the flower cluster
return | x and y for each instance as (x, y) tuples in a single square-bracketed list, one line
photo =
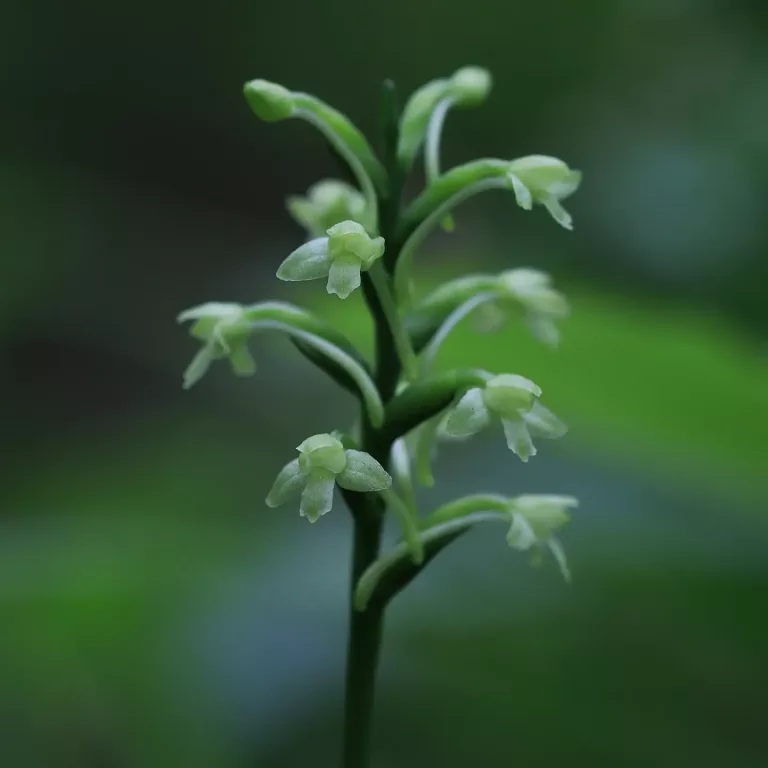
[(366, 234)]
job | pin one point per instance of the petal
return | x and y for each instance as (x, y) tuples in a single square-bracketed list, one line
[(518, 439), (558, 213), (344, 277), (520, 535), (240, 359), (200, 364), (363, 473), (344, 228), (543, 329), (543, 423), (323, 451), (372, 253), (469, 416), (545, 512), (287, 486), (308, 262), (317, 496), (219, 310), (531, 504), (566, 186), (522, 193)]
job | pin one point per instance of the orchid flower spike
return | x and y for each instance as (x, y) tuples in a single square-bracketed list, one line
[(347, 251), (323, 462)]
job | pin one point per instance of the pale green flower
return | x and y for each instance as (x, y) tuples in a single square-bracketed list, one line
[(514, 400), (323, 462), (327, 202), (531, 291), (535, 518), (341, 257), (224, 331), (544, 180)]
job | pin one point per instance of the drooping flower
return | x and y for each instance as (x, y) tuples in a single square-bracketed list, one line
[(544, 180), (531, 291), (514, 400), (224, 331), (327, 202), (535, 518), (347, 251), (323, 462)]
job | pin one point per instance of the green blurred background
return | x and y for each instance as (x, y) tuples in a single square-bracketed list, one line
[(154, 613)]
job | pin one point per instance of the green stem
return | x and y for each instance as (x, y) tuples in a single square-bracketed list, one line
[(400, 337), (365, 627), (363, 647), (436, 208), (432, 144)]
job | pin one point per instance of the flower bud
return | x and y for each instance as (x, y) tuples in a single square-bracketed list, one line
[(327, 203), (470, 86), (270, 101)]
